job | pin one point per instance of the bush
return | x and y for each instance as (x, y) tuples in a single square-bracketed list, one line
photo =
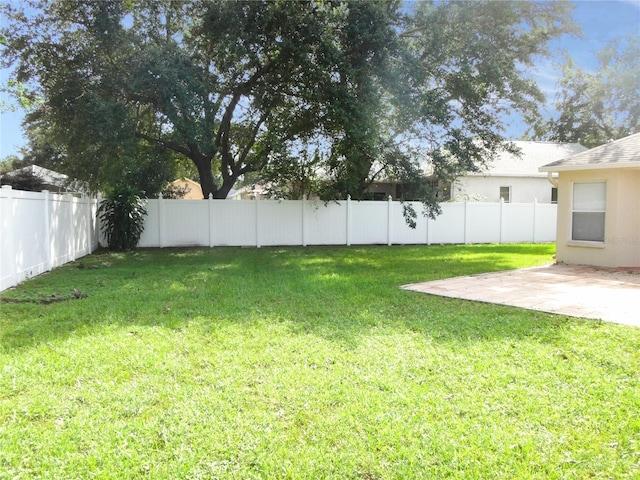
[(23, 181), (122, 215)]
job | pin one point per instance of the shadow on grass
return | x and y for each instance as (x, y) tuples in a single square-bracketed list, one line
[(338, 293)]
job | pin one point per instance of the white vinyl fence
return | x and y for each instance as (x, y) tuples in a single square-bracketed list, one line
[(40, 231), (179, 223)]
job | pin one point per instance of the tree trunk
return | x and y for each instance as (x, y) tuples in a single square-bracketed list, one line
[(226, 187), (206, 178)]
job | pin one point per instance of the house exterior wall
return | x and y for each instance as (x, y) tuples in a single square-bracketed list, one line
[(487, 189), (193, 190), (621, 246)]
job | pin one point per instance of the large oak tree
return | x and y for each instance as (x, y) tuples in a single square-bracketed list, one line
[(376, 87)]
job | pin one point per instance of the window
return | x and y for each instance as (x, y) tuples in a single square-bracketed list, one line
[(554, 195), (587, 215), (505, 194)]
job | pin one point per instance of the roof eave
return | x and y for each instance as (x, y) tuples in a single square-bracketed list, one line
[(595, 166)]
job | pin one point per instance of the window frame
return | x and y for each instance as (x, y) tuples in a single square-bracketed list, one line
[(574, 210), (508, 200)]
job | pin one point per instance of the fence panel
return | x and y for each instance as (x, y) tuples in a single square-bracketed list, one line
[(40, 231), (7, 259), (280, 222), (151, 235), (234, 222), (368, 223), (29, 241), (545, 223), (403, 234), (517, 221), (62, 241), (449, 227), (483, 222), (325, 224), (186, 224)]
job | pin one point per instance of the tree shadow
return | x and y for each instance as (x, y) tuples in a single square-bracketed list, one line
[(338, 293)]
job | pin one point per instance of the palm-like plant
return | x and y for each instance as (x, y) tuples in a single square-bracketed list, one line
[(122, 215)]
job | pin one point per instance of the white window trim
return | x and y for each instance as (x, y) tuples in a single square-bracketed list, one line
[(587, 243), (500, 193)]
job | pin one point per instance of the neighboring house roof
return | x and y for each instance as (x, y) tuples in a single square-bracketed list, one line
[(53, 180), (623, 153), (533, 155), (47, 176), (193, 190)]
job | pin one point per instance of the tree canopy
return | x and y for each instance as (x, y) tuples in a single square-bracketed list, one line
[(372, 88), (597, 107)]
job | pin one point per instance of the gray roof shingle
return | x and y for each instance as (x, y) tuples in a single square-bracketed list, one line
[(532, 156), (623, 153)]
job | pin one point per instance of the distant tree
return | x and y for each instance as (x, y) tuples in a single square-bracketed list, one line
[(9, 163), (597, 107), (25, 180), (237, 86)]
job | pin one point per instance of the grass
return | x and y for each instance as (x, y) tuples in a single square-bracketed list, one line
[(307, 363)]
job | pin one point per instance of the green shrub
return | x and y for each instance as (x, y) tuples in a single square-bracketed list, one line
[(122, 215)]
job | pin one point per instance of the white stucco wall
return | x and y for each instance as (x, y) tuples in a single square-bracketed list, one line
[(487, 189)]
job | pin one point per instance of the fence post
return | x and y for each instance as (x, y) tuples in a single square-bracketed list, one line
[(428, 221), (11, 228), (48, 265), (87, 200), (535, 208), (501, 217), (211, 232), (466, 216), (348, 220), (70, 198), (304, 206), (160, 221), (98, 225), (257, 223), (389, 221)]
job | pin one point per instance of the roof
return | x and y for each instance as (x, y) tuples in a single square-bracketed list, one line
[(623, 153), (185, 180), (533, 155), (49, 177)]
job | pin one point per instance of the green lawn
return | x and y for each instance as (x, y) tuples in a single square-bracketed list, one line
[(307, 363)]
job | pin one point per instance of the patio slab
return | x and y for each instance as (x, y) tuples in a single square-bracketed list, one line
[(572, 290)]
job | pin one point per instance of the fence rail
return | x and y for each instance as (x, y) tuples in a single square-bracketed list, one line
[(40, 231), (179, 223)]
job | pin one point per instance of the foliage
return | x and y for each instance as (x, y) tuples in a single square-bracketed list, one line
[(293, 177), (598, 107), (9, 163), (239, 87), (308, 363), (149, 170), (25, 180), (122, 215), (174, 192)]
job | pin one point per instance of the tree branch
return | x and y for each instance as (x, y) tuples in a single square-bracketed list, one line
[(170, 145), (252, 138)]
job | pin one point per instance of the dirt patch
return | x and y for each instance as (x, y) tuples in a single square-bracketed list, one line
[(42, 300)]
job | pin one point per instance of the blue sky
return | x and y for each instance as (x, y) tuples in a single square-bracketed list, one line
[(601, 21)]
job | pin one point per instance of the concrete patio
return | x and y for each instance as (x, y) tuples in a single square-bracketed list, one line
[(577, 291)]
